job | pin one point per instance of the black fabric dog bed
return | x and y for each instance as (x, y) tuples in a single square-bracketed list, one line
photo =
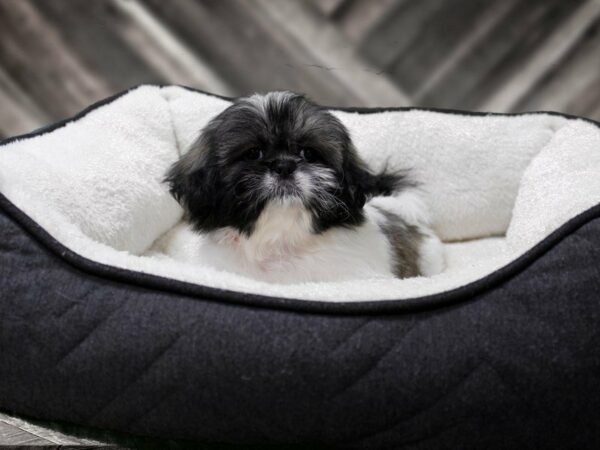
[(502, 350)]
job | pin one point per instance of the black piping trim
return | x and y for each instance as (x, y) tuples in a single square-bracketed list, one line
[(423, 303)]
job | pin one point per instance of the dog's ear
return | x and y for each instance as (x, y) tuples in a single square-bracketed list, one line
[(360, 184), (194, 182), (356, 181)]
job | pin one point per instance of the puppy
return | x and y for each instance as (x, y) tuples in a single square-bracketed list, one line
[(278, 193)]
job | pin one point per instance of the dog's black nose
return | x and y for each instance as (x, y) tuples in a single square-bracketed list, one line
[(283, 167)]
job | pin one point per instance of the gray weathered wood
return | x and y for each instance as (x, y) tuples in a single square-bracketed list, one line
[(483, 26), (39, 433), (440, 32), (14, 436), (397, 30), (254, 51), (551, 15), (493, 60), (326, 45), (330, 7), (249, 56), (19, 113), (160, 48), (20, 432), (360, 17), (553, 50), (571, 81), (91, 30), (32, 51), (58, 56)]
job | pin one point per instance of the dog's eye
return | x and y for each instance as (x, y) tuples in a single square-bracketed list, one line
[(308, 154), (253, 154)]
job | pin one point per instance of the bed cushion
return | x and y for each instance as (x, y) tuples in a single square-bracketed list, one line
[(96, 185)]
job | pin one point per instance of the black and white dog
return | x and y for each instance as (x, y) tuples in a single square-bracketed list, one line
[(279, 193)]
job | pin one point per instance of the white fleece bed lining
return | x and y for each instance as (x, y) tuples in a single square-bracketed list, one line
[(497, 185)]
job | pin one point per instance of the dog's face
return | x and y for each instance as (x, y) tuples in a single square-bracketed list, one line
[(277, 147)]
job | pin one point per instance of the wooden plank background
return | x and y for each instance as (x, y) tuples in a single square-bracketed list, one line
[(58, 56)]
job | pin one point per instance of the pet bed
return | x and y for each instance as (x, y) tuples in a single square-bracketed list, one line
[(99, 327)]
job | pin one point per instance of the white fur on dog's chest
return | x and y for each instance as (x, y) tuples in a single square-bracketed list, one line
[(283, 248), (281, 235)]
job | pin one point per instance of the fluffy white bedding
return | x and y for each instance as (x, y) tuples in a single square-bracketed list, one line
[(496, 185)]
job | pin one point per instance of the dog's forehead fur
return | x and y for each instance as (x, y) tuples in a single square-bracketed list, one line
[(282, 119)]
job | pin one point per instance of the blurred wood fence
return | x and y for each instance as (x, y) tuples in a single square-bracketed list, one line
[(58, 56)]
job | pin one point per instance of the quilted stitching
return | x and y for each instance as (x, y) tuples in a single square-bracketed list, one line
[(521, 357)]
